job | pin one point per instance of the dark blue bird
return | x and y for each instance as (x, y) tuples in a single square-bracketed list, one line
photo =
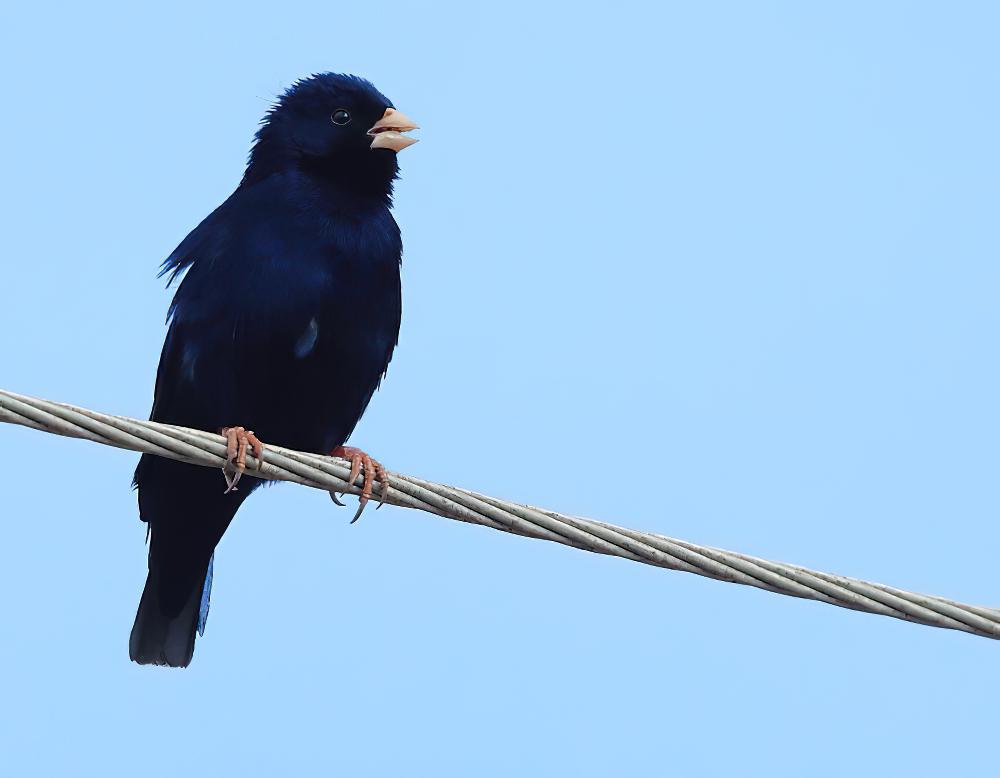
[(281, 330)]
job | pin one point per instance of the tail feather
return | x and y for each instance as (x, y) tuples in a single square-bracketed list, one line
[(163, 637), (187, 511), (206, 598)]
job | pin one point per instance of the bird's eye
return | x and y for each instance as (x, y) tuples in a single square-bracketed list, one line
[(340, 116)]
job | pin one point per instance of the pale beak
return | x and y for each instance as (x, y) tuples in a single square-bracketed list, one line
[(387, 132)]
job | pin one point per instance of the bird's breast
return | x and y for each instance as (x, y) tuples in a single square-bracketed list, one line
[(336, 338)]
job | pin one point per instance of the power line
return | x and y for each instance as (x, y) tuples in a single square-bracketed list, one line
[(209, 449)]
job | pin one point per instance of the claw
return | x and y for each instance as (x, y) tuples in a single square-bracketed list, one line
[(238, 440), (355, 469), (365, 462), (333, 496), (231, 438), (373, 470), (231, 480)]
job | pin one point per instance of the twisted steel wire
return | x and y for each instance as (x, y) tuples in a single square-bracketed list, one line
[(331, 474)]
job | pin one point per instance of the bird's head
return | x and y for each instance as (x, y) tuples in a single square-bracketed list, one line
[(337, 127)]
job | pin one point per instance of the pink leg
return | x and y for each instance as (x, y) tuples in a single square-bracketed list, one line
[(360, 461), (238, 440)]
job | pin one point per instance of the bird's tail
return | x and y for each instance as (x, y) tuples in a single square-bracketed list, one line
[(163, 633)]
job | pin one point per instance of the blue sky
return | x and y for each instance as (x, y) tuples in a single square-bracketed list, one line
[(724, 271)]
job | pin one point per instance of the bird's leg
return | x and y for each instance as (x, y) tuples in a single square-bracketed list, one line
[(238, 440), (372, 469)]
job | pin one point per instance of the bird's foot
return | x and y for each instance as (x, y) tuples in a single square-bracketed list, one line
[(360, 461), (238, 440)]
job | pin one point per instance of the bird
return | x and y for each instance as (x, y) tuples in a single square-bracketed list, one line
[(285, 316)]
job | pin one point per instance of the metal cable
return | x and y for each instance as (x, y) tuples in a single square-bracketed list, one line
[(320, 472)]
